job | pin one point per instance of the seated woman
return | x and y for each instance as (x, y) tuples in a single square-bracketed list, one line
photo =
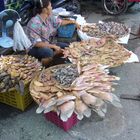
[(39, 30)]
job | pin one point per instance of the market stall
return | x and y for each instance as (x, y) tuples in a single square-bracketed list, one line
[(68, 93)]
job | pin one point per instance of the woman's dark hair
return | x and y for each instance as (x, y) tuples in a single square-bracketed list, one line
[(39, 5)]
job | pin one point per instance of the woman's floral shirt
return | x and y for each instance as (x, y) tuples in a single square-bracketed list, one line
[(39, 30)]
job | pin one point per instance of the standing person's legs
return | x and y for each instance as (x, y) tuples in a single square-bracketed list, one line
[(45, 55)]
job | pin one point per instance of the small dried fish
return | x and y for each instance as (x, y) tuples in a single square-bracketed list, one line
[(106, 28), (66, 75)]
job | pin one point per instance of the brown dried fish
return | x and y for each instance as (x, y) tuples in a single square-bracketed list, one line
[(105, 52), (65, 98), (88, 91), (89, 99), (100, 94), (15, 66), (82, 109)]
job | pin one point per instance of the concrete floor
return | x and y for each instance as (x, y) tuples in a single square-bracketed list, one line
[(119, 124)]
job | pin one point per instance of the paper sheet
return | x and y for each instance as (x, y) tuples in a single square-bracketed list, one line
[(133, 58), (80, 19)]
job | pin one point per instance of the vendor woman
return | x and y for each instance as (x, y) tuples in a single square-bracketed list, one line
[(39, 30)]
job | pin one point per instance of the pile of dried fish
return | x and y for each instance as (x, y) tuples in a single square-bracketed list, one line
[(16, 70), (106, 28), (90, 89), (104, 51)]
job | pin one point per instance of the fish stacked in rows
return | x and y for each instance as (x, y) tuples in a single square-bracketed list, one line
[(99, 30), (104, 51), (16, 70), (70, 88)]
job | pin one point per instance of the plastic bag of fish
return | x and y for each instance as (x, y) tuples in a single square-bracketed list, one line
[(16, 71), (79, 89), (104, 51)]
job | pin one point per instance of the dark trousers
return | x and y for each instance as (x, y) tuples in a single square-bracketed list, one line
[(45, 52)]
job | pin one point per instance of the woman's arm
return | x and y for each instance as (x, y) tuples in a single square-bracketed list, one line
[(66, 22)]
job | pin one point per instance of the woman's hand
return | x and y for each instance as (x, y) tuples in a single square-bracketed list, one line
[(57, 50), (77, 25)]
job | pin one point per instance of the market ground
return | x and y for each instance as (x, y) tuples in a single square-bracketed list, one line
[(119, 124)]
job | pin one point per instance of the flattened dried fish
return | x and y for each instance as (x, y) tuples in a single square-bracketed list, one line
[(65, 98), (105, 52), (89, 90)]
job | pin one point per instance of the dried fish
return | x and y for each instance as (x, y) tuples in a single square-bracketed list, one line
[(65, 98), (37, 83), (66, 75), (66, 110), (81, 109), (106, 28), (105, 52), (87, 91), (101, 94), (15, 71), (89, 99)]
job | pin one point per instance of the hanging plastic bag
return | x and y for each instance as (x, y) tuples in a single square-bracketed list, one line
[(21, 41)]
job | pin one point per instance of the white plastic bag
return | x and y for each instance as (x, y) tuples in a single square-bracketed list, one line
[(80, 19), (21, 41)]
